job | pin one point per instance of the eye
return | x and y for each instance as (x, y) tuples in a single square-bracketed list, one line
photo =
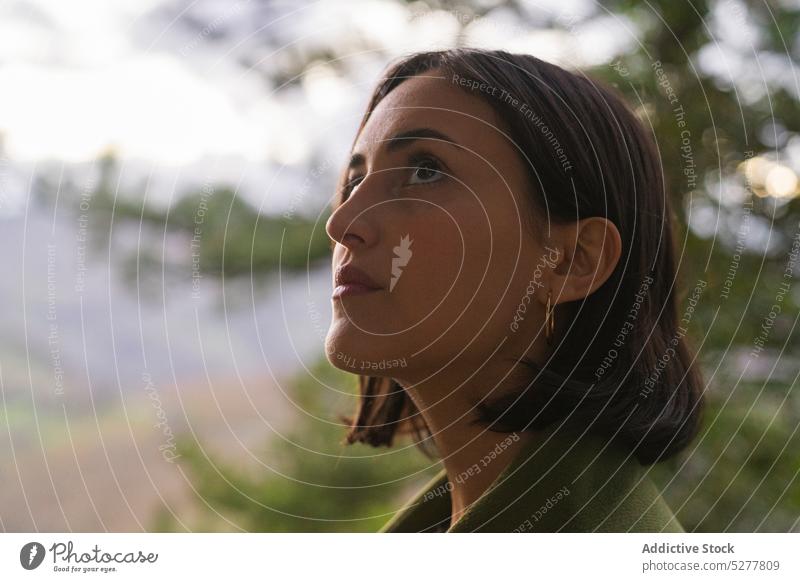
[(350, 186), (425, 171)]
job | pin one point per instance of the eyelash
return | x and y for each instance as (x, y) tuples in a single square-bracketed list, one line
[(415, 163)]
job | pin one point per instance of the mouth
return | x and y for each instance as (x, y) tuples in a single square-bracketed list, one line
[(350, 280), (352, 289)]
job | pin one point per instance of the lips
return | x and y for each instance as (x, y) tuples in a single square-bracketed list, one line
[(351, 280)]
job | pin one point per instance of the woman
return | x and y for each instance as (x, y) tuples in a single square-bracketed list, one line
[(505, 287)]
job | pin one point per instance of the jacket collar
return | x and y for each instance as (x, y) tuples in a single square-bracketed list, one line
[(567, 480)]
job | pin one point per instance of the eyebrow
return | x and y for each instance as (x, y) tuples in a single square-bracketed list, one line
[(404, 139)]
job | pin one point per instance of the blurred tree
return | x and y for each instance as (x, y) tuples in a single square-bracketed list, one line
[(228, 235), (310, 480)]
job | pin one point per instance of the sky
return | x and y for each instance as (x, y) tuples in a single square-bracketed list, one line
[(96, 74), (181, 91)]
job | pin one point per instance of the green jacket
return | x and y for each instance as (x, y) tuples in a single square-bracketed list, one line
[(563, 482)]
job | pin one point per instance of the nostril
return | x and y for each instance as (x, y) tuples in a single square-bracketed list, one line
[(351, 237)]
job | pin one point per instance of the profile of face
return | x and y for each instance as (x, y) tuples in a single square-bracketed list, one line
[(435, 262)]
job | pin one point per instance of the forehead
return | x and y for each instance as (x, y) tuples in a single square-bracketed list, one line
[(432, 100)]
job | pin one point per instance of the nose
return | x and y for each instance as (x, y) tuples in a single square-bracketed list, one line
[(352, 223)]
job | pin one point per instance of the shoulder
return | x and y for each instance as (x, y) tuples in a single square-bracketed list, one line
[(427, 511), (564, 482), (572, 484)]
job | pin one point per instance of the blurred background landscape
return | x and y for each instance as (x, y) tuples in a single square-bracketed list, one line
[(166, 170)]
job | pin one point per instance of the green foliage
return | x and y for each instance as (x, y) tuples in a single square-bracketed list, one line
[(310, 480), (222, 232), (234, 239), (741, 474)]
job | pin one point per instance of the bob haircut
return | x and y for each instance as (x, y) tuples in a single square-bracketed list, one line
[(621, 367)]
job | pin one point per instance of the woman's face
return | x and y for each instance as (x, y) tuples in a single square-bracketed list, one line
[(435, 216)]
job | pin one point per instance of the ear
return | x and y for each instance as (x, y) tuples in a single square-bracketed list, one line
[(590, 250)]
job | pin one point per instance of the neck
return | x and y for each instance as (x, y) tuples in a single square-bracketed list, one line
[(473, 455)]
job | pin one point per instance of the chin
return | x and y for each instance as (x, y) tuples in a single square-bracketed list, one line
[(352, 350), (345, 343)]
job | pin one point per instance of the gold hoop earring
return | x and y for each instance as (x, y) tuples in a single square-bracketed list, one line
[(549, 320)]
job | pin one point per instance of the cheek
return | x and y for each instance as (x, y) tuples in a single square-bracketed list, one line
[(477, 270), (449, 265), (436, 263)]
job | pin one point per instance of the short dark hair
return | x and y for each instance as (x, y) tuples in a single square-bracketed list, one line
[(621, 365)]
